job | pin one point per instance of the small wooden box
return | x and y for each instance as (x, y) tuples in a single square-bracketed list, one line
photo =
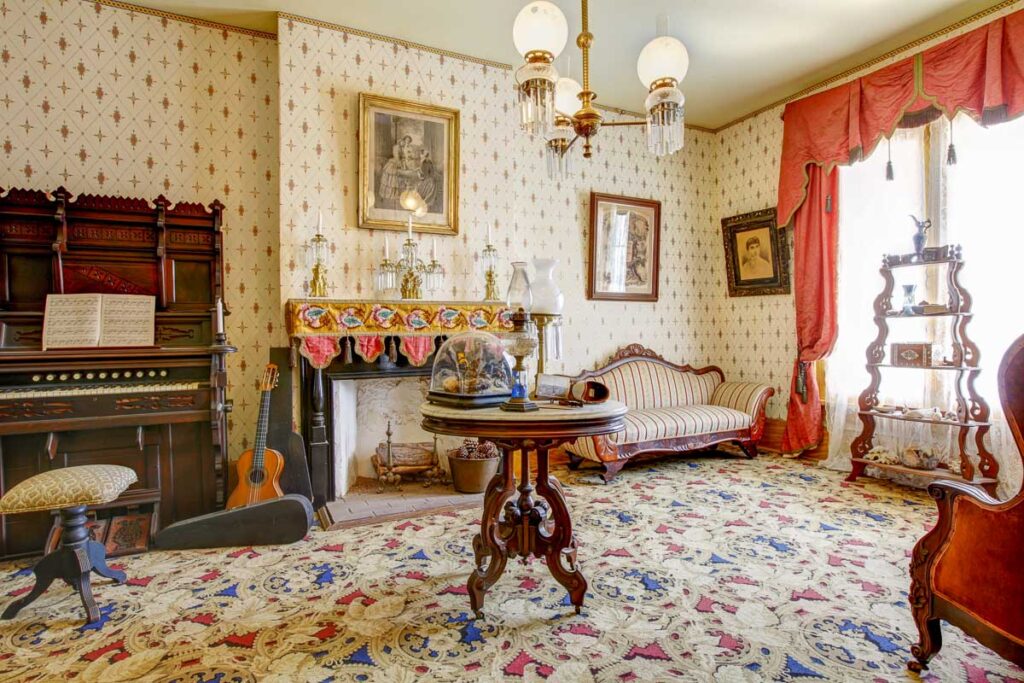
[(911, 355)]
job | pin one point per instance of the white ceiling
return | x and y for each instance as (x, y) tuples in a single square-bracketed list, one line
[(744, 54)]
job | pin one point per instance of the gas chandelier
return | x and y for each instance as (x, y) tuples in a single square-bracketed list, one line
[(547, 102)]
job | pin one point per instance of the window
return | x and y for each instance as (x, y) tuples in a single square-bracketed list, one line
[(975, 203)]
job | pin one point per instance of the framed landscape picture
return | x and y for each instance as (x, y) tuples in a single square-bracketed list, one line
[(756, 254), (408, 146), (625, 234)]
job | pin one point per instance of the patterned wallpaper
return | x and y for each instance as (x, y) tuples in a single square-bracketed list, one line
[(323, 69), (109, 101), (758, 337)]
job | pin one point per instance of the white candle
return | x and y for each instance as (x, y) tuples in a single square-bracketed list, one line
[(319, 220), (218, 318), (387, 248), (410, 227), (433, 250)]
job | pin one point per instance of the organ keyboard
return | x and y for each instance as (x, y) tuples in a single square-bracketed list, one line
[(159, 410)]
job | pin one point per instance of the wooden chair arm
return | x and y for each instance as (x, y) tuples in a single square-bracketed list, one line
[(946, 492)]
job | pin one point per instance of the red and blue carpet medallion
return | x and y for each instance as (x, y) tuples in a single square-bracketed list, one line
[(701, 570)]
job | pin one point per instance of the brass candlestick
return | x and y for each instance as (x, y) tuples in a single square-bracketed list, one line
[(318, 251), (489, 257), (543, 321)]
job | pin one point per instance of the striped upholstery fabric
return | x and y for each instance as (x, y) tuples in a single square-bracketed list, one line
[(668, 423), (643, 384), (742, 396)]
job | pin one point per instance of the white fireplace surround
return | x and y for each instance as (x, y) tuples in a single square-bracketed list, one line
[(362, 408)]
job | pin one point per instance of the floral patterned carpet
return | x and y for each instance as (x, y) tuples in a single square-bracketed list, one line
[(700, 570)]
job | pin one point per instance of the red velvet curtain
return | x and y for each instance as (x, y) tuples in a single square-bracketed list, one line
[(815, 242), (980, 73)]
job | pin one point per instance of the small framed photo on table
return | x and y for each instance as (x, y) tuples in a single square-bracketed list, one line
[(756, 254), (625, 233)]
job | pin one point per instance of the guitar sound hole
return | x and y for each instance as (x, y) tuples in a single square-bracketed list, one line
[(256, 477)]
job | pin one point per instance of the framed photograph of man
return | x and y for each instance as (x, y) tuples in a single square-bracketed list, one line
[(407, 146), (756, 254), (624, 238)]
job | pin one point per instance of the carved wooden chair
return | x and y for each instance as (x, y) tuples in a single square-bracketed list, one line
[(967, 570)]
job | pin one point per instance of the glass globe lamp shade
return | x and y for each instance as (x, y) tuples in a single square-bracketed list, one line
[(665, 120), (664, 57), (567, 99), (540, 27), (519, 294)]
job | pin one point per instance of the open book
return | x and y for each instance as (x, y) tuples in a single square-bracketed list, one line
[(81, 320)]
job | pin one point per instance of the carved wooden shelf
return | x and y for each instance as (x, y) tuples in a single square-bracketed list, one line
[(972, 410), (923, 420), (944, 314), (960, 368), (937, 473)]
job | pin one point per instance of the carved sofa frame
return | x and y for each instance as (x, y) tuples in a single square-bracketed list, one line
[(613, 457)]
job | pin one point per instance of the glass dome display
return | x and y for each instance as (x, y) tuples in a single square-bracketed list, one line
[(471, 370)]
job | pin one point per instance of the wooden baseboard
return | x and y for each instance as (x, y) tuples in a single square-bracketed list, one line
[(772, 441)]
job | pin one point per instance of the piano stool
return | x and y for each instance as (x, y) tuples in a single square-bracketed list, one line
[(69, 489)]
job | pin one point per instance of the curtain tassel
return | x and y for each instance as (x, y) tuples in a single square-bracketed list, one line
[(951, 151), (888, 165), (346, 351), (801, 380)]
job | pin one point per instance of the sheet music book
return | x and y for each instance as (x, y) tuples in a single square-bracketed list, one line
[(82, 320)]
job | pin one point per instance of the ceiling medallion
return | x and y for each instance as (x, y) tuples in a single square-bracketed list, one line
[(547, 102)]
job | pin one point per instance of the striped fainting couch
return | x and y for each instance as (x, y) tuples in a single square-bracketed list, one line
[(672, 408)]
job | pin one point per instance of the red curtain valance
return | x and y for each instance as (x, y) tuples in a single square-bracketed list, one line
[(980, 72)]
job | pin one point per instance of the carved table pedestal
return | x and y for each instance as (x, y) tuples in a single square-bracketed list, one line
[(540, 526)]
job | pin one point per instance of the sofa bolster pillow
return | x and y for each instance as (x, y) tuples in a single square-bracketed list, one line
[(747, 397)]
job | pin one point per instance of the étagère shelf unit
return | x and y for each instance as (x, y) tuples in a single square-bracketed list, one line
[(972, 412)]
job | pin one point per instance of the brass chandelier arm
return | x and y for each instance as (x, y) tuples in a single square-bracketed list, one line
[(624, 123)]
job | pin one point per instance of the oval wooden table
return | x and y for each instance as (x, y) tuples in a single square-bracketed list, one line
[(525, 526)]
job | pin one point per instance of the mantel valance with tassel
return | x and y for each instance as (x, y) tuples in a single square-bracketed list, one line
[(320, 327)]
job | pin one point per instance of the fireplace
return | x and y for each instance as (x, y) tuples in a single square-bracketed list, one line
[(346, 406), (342, 340)]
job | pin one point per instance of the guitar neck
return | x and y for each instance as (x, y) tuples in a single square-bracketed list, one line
[(260, 447)]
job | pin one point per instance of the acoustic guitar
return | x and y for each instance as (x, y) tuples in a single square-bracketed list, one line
[(259, 468)]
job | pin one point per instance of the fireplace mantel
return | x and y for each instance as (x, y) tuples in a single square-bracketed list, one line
[(318, 326), (321, 330)]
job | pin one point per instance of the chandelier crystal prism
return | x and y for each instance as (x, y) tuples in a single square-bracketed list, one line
[(562, 111)]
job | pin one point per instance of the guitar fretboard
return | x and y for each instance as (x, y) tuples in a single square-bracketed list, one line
[(260, 446)]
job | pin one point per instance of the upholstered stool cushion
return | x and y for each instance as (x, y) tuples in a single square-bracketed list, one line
[(67, 487)]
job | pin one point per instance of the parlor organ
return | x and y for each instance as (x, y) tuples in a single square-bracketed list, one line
[(160, 410)]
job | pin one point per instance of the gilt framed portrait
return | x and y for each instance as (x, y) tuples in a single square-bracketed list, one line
[(625, 233), (756, 254), (408, 146)]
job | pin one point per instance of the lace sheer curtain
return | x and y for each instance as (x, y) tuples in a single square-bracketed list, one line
[(974, 203)]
